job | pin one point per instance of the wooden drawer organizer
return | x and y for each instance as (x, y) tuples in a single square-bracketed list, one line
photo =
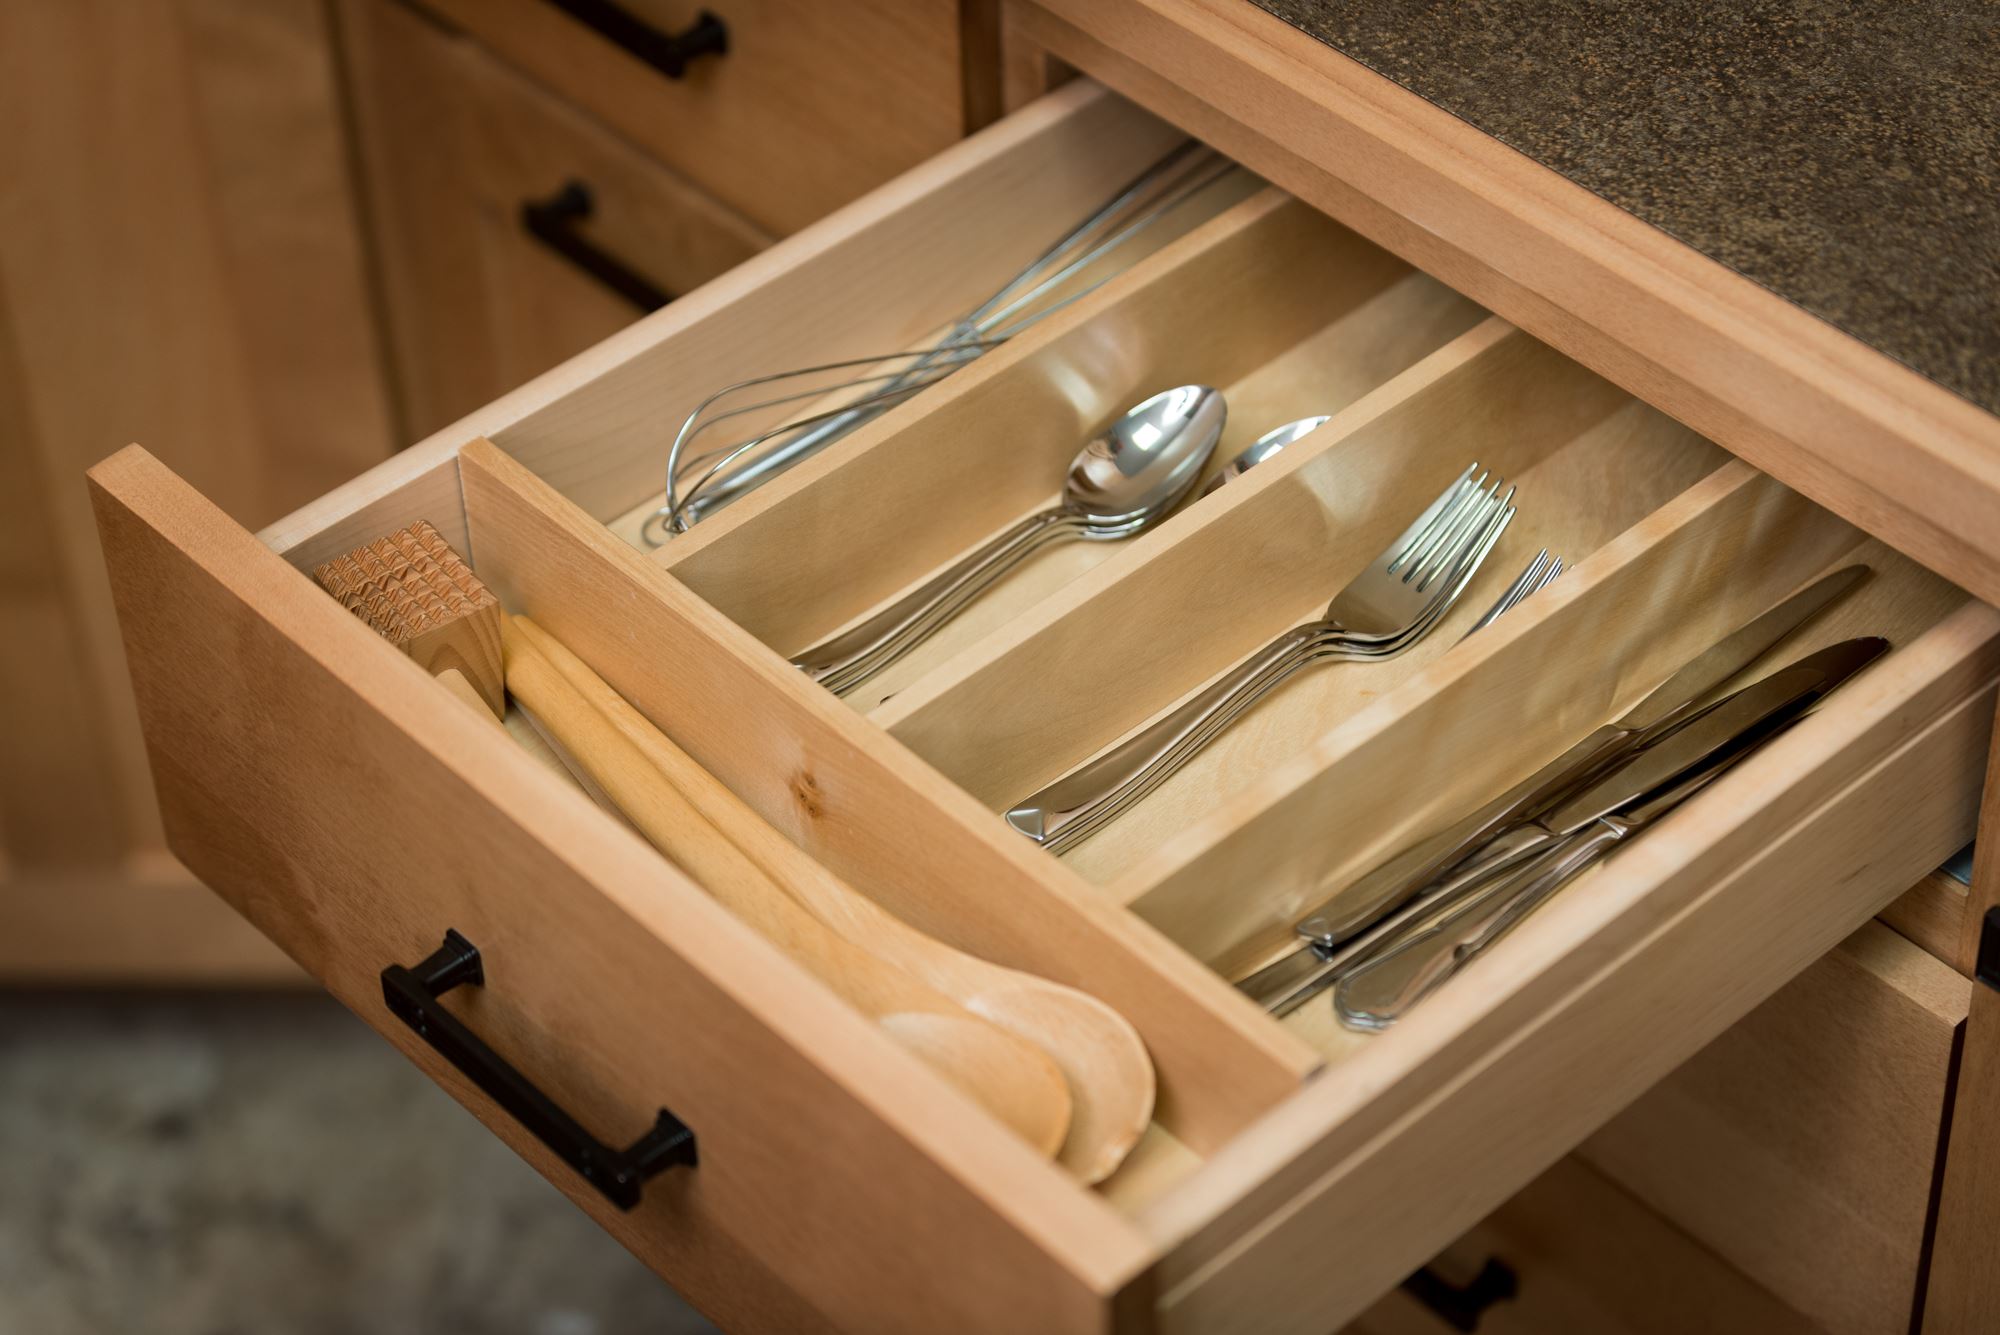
[(318, 780)]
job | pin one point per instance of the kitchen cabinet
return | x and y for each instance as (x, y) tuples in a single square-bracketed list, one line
[(1294, 1173), (179, 260)]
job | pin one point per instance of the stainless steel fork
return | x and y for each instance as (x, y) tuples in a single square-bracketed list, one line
[(1540, 573), (1383, 611)]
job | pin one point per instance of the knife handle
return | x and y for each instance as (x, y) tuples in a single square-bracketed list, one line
[(1284, 985), (1394, 882)]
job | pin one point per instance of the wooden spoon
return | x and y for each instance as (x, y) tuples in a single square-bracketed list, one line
[(1009, 1075), (1110, 1077)]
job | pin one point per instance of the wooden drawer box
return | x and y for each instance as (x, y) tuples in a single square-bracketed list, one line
[(319, 781)]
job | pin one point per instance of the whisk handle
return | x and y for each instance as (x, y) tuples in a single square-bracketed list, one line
[(859, 652)]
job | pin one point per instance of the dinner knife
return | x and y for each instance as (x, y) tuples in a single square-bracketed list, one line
[(1636, 769), (1378, 991)]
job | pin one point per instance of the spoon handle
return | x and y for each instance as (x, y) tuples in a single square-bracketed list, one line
[(1075, 804), (854, 655)]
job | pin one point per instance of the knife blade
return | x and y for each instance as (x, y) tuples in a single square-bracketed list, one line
[(1730, 723), (1743, 718)]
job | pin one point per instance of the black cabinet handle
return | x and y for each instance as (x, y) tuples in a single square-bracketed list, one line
[(553, 222), (412, 997), (1461, 1305), (667, 52)]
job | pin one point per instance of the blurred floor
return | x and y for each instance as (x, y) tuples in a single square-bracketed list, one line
[(239, 1164)]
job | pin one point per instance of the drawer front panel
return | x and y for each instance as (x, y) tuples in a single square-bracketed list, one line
[(811, 105), (455, 147), (328, 790), (1802, 1143)]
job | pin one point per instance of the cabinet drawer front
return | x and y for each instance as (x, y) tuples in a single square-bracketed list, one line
[(1802, 1143), (810, 106), (512, 229), (1274, 1144), (306, 775)]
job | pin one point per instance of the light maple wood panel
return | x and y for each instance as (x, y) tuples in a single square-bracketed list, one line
[(1964, 1287), (179, 259), (144, 922), (1801, 1144), (454, 144), (812, 105), (1856, 431), (342, 801)]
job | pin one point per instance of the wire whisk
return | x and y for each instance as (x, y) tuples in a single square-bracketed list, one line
[(702, 478)]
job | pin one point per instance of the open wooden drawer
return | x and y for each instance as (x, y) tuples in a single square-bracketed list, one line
[(326, 787)]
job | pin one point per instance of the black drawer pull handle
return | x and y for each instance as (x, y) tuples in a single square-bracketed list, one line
[(667, 52), (553, 222), (412, 997), (1461, 1305)]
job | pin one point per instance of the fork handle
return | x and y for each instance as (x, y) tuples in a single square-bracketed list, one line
[(858, 653), (1378, 993), (1147, 757)]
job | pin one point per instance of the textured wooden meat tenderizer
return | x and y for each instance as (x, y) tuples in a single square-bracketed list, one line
[(423, 598)]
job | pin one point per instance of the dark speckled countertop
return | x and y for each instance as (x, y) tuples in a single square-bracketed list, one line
[(1844, 154)]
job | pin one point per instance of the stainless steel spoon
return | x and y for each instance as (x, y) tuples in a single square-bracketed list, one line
[(1262, 448), (1119, 485)]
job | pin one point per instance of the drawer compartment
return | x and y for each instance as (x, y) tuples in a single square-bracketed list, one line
[(326, 787)]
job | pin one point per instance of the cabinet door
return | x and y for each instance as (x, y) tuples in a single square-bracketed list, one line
[(457, 149), (185, 267)]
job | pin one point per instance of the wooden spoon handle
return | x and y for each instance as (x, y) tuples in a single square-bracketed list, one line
[(677, 829), (812, 884)]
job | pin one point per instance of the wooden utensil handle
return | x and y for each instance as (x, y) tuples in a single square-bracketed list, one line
[(691, 841), (782, 860)]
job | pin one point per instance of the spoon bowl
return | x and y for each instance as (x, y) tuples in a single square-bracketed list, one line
[(1143, 464), (1121, 483), (1257, 451)]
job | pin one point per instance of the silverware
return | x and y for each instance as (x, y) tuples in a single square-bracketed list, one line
[(1383, 611), (1377, 991), (1432, 940), (1284, 984), (1120, 484), (1257, 451), (1539, 574), (699, 482)]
